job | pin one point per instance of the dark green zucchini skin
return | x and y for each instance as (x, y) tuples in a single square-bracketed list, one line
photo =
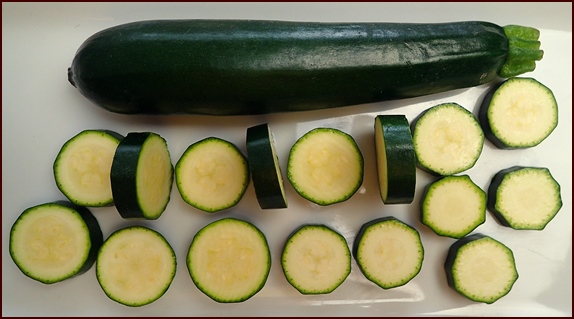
[(247, 67)]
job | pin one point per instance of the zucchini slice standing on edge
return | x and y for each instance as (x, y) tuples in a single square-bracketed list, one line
[(264, 168), (480, 268), (212, 175), (229, 260), (141, 176), (55, 241), (396, 159), (135, 266), (325, 166), (316, 259), (82, 167)]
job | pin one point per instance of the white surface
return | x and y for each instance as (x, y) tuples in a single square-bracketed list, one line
[(41, 110)]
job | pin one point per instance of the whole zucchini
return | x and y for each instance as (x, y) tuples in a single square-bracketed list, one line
[(245, 67)]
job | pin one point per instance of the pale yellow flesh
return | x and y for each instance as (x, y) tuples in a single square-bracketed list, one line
[(154, 176), (382, 166), (277, 167), (316, 260), (83, 169), (455, 206), (325, 166), (522, 111), (135, 265), (211, 175), (527, 197), (51, 242), (390, 254), (484, 268), (229, 260), (448, 140)]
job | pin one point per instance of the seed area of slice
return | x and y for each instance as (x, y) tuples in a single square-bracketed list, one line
[(448, 139), (316, 259), (229, 260), (212, 175), (325, 166)]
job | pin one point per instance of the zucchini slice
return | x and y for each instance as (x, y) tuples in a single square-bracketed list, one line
[(448, 139), (229, 260), (82, 167), (524, 197), (316, 259), (55, 241), (453, 206), (264, 168), (519, 113), (135, 266), (480, 268), (141, 176), (396, 159), (388, 252), (212, 175), (325, 166)]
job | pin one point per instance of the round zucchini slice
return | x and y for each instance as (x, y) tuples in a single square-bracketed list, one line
[(388, 252), (396, 159), (480, 268), (212, 175), (141, 176), (316, 259), (325, 166), (448, 139), (55, 241), (82, 167), (264, 168), (524, 197), (229, 260), (453, 206), (519, 113), (135, 266)]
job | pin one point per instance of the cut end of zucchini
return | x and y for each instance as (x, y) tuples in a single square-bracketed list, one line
[(448, 139), (524, 197), (264, 168), (481, 268), (453, 206), (316, 259), (55, 241), (82, 167), (388, 252), (135, 266), (212, 175), (523, 50), (142, 176), (325, 166), (396, 159), (520, 113), (229, 260)]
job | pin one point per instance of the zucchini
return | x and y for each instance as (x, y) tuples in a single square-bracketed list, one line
[(244, 67), (141, 176), (325, 166), (396, 159), (135, 266), (82, 167), (523, 197), (212, 175), (316, 259), (55, 241), (519, 113), (480, 268), (264, 168), (448, 139), (453, 206), (388, 252), (229, 260)]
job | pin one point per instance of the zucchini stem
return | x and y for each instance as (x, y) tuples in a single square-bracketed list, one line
[(523, 50)]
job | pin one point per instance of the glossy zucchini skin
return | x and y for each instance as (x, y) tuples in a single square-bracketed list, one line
[(248, 67)]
